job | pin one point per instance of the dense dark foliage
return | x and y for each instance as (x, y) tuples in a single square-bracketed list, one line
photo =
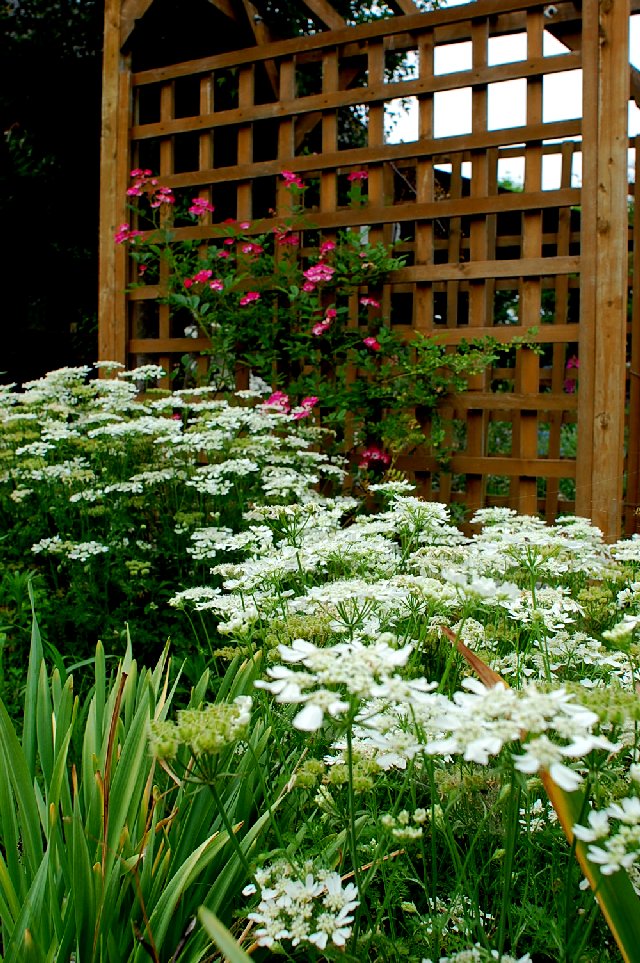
[(50, 65)]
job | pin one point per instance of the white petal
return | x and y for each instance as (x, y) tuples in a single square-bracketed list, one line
[(310, 718)]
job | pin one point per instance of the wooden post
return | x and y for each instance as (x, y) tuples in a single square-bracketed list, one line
[(112, 321), (603, 283)]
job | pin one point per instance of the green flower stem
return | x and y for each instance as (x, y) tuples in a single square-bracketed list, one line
[(211, 783), (511, 834), (353, 839)]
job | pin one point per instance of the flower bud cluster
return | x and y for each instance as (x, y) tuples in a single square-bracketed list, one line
[(207, 732), (405, 827)]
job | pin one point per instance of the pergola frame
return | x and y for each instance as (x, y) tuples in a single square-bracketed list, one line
[(462, 265)]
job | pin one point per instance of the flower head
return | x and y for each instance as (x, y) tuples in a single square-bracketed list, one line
[(357, 176), (200, 206), (372, 343), (319, 272), (249, 298), (124, 233), (320, 328), (374, 457), (291, 179), (278, 400)]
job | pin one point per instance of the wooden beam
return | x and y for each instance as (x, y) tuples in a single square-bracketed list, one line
[(114, 157), (405, 6), (326, 13), (132, 10), (227, 8), (263, 37), (604, 280), (632, 520)]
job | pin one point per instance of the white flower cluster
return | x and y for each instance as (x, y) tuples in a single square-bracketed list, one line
[(314, 907), (478, 954), (619, 844), (75, 551), (397, 719), (330, 676)]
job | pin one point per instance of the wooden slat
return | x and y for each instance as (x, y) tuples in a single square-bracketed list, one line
[(486, 465), (375, 93), (480, 311), (168, 346), (246, 92), (466, 207), (525, 422), (440, 149), (513, 401), (561, 292)]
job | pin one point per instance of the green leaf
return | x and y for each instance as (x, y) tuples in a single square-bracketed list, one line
[(20, 946), (615, 894), (16, 768), (130, 775), (83, 886), (36, 657), (162, 916), (231, 950)]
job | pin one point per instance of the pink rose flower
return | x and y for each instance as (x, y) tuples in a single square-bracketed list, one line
[(374, 457), (357, 176), (369, 303), (320, 328), (249, 298), (216, 285), (251, 248), (124, 233), (372, 343), (200, 206), (319, 272), (278, 400), (292, 179)]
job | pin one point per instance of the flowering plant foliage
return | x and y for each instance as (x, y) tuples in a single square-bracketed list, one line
[(344, 790), (301, 311)]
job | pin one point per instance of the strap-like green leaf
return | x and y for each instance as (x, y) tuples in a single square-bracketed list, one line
[(36, 657), (231, 950), (21, 941), (16, 767)]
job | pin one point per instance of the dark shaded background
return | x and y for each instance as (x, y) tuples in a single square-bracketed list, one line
[(50, 78)]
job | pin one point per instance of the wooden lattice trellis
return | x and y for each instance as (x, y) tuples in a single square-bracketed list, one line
[(557, 258)]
